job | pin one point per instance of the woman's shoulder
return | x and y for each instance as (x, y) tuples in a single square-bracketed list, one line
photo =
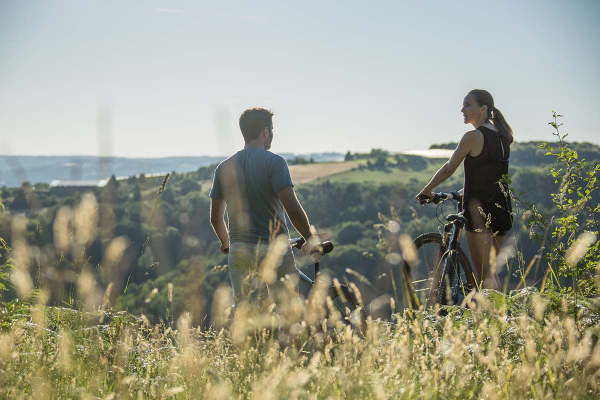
[(474, 141), (473, 136)]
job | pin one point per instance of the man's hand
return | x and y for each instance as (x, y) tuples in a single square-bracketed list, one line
[(308, 246), (225, 247)]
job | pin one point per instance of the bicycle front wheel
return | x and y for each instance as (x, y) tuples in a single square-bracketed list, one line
[(347, 303), (423, 274)]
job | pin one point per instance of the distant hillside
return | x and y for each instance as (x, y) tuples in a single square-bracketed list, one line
[(14, 170)]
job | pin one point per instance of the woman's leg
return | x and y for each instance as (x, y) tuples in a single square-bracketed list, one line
[(483, 248), (498, 242)]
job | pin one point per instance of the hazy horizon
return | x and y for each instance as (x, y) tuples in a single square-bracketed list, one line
[(296, 154), (156, 79)]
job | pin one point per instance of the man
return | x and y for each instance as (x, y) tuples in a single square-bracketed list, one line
[(256, 188)]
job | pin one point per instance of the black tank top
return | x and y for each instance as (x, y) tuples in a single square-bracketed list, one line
[(483, 172)]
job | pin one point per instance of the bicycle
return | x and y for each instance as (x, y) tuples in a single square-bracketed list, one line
[(440, 269), (343, 297)]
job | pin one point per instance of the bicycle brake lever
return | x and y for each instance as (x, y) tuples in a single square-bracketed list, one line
[(297, 243)]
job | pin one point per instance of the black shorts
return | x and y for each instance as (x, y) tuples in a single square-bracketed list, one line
[(488, 213)]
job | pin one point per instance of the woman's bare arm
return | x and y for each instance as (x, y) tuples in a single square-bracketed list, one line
[(467, 143)]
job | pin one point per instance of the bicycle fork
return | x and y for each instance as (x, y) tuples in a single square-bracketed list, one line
[(449, 266)]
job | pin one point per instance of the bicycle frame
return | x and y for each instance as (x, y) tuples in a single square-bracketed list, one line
[(306, 279), (326, 247), (450, 241)]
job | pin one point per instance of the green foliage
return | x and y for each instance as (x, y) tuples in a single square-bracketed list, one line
[(575, 249), (445, 146), (205, 173), (374, 154), (5, 269), (299, 161), (571, 232), (7, 266), (350, 232), (346, 205), (188, 185)]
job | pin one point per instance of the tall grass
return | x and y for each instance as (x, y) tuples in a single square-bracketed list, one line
[(520, 347)]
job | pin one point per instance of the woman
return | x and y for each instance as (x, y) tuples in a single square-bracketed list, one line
[(486, 203)]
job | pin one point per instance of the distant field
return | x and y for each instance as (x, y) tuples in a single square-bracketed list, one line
[(390, 174), (309, 172), (349, 172)]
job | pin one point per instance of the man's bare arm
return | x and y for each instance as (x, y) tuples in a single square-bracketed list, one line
[(295, 212), (217, 220)]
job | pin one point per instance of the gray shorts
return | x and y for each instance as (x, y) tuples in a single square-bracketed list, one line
[(245, 268)]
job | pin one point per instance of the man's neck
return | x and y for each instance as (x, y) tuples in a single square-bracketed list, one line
[(254, 145)]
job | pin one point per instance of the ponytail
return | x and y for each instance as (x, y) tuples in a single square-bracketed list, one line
[(484, 98), (503, 127)]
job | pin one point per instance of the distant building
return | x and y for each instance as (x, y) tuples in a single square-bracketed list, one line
[(65, 187)]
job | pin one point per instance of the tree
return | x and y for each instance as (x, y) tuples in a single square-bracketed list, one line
[(112, 182), (350, 232), (137, 192), (168, 196), (188, 185), (20, 200), (173, 243)]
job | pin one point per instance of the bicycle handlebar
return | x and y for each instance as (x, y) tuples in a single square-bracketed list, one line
[(323, 247), (437, 197)]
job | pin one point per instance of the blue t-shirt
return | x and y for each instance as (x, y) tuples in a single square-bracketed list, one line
[(249, 182)]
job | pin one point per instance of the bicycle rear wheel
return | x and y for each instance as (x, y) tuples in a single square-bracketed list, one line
[(419, 275)]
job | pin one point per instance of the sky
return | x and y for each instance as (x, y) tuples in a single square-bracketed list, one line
[(156, 78)]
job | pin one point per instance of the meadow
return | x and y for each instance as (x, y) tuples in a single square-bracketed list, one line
[(521, 346)]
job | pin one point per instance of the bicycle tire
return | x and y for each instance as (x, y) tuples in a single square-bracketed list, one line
[(451, 268), (353, 313), (418, 278)]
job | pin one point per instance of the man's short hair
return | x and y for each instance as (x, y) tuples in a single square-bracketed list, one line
[(253, 121)]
